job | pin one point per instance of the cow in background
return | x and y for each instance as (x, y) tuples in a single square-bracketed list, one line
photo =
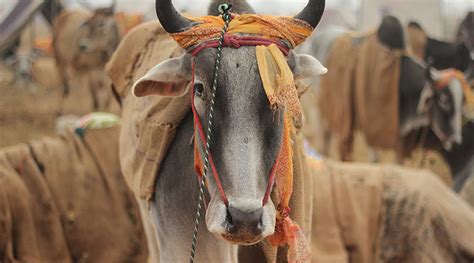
[(465, 34), (442, 55), (421, 106), (83, 43)]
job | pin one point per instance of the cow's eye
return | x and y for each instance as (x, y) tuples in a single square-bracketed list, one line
[(198, 89)]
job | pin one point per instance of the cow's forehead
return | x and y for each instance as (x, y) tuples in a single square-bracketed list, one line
[(231, 60)]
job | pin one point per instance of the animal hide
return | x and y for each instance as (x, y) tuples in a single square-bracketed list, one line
[(416, 40)]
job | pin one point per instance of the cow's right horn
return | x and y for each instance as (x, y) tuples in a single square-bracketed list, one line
[(171, 20), (313, 12)]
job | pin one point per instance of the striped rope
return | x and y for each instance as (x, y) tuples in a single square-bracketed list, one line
[(224, 11)]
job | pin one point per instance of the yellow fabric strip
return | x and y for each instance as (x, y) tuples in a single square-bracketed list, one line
[(293, 30), (278, 81)]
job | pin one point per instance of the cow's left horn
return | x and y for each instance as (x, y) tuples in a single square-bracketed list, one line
[(313, 12), (171, 20)]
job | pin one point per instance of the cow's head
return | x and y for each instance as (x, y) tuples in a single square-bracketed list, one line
[(426, 99), (442, 100), (247, 133), (442, 55), (466, 32), (99, 34)]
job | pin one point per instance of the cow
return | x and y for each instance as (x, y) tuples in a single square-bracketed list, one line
[(460, 158), (465, 31), (157, 158), (83, 43), (442, 55), (152, 75), (420, 103), (246, 221), (465, 34)]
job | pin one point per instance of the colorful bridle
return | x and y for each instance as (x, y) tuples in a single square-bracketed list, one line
[(273, 38)]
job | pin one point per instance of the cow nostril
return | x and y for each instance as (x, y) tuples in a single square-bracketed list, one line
[(239, 220), (229, 218)]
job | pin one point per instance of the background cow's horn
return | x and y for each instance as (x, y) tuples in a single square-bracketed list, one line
[(313, 12), (171, 20)]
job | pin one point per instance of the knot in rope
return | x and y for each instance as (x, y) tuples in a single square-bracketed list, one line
[(231, 41), (284, 211)]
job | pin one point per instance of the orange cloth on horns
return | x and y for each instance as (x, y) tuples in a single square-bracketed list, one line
[(293, 30)]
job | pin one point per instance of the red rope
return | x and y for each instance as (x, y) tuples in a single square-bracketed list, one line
[(197, 121), (239, 41)]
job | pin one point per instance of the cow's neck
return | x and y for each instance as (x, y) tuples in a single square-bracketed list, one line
[(175, 203)]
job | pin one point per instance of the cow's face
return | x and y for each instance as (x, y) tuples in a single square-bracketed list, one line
[(99, 35), (247, 133), (444, 105)]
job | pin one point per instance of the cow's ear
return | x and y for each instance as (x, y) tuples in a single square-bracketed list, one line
[(306, 71), (170, 78)]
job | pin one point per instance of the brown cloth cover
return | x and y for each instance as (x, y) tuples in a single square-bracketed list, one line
[(417, 40), (361, 90), (17, 230), (66, 201), (50, 239), (150, 125), (369, 213)]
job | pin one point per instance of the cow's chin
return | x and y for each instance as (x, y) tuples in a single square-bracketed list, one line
[(217, 221), (241, 240)]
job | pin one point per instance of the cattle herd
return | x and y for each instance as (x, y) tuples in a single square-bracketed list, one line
[(223, 111)]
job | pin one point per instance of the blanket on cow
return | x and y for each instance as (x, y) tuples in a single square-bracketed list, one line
[(368, 213), (151, 122), (361, 90), (64, 200)]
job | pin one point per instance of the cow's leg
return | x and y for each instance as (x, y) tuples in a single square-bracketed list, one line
[(174, 207), (326, 141), (94, 88), (345, 147), (63, 76)]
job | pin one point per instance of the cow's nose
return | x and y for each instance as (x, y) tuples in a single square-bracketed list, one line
[(248, 222)]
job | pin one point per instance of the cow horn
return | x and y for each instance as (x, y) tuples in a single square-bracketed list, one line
[(313, 12), (171, 20), (113, 5)]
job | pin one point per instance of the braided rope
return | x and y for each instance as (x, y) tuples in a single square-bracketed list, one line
[(224, 11)]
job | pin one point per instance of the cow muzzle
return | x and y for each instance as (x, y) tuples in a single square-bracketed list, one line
[(242, 222)]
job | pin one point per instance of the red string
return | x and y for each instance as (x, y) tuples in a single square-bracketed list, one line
[(238, 41)]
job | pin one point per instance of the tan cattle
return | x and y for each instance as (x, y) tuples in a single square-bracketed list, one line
[(83, 43)]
